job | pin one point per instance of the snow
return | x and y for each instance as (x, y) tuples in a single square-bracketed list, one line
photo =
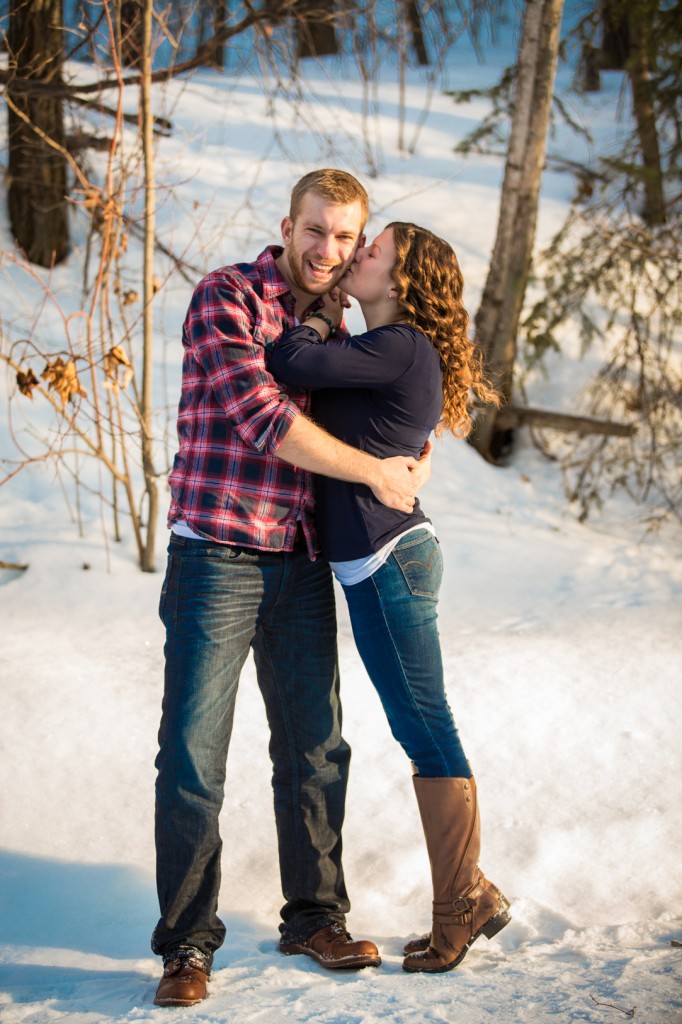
[(561, 640)]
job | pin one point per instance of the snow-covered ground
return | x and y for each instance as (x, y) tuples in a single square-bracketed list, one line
[(562, 645)]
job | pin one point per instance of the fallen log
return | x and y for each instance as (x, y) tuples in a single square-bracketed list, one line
[(18, 566), (511, 416)]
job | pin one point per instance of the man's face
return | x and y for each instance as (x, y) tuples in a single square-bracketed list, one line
[(319, 244)]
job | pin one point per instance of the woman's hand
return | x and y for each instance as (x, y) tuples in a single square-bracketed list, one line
[(329, 312), (343, 298), (333, 304)]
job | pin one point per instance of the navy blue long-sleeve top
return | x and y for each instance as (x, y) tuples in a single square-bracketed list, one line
[(380, 392)]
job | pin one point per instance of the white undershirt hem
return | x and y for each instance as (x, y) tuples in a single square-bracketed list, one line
[(355, 570), (183, 530)]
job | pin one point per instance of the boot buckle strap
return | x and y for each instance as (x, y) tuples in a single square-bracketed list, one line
[(462, 905), (459, 906)]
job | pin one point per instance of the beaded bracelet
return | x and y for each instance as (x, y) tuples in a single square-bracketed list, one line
[(325, 319)]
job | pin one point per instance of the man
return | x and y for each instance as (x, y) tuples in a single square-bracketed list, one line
[(243, 573)]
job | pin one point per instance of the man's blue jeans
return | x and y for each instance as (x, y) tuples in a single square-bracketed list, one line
[(394, 618), (218, 602)]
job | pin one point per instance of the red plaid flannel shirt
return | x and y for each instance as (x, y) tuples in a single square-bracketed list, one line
[(226, 482)]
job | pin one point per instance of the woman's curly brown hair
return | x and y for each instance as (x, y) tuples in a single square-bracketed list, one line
[(430, 285)]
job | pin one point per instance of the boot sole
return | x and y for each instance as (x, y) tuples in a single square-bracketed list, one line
[(355, 963), (490, 929), (178, 1002)]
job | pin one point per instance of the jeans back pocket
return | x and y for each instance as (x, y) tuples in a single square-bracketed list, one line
[(421, 563)]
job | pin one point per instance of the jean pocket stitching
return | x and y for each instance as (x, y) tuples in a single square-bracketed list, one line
[(413, 585)]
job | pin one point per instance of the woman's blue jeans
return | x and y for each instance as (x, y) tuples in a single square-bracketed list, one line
[(217, 603), (394, 618)]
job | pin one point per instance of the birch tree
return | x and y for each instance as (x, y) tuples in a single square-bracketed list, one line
[(497, 320)]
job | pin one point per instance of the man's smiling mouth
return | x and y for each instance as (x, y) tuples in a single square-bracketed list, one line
[(321, 268)]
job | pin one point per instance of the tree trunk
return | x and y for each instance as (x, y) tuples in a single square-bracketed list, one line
[(315, 29), (588, 78), (498, 316), (131, 32), (615, 46), (219, 25), (414, 20), (37, 160), (638, 67), (212, 24)]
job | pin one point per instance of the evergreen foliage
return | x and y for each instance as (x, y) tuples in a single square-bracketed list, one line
[(620, 283)]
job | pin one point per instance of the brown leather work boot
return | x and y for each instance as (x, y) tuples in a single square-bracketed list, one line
[(335, 949), (465, 904), (184, 980)]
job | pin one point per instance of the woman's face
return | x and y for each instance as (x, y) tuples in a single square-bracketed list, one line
[(369, 277)]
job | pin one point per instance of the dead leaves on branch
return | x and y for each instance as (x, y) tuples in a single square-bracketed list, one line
[(26, 382), (62, 377), (117, 368)]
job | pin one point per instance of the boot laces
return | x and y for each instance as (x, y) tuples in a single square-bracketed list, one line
[(187, 956)]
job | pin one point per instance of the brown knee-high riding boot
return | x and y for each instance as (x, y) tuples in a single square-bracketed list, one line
[(465, 903)]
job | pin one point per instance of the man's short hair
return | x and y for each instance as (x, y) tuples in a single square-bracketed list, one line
[(338, 187)]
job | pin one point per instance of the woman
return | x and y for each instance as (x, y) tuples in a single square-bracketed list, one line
[(384, 391)]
